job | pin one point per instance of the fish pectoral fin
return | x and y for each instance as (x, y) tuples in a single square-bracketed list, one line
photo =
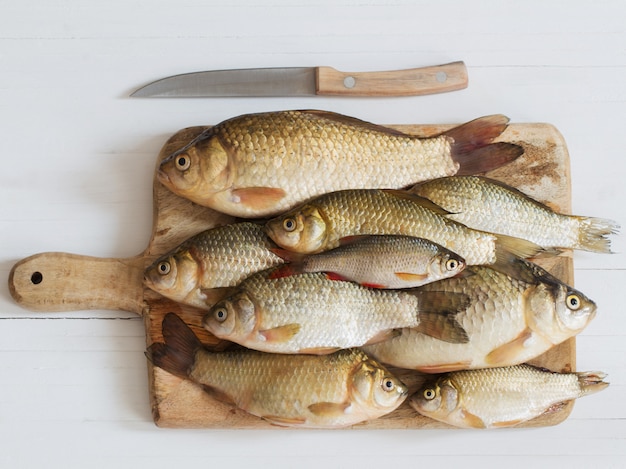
[(445, 367), (284, 421), (411, 277), (473, 421), (281, 333), (554, 408), (329, 409), (384, 335), (336, 276), (318, 350), (508, 353), (507, 423), (258, 198)]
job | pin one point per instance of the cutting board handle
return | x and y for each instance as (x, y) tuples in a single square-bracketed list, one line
[(56, 281)]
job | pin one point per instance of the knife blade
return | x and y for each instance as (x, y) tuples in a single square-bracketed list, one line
[(307, 81)]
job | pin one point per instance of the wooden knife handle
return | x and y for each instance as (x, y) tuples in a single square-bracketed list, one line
[(55, 281), (411, 82)]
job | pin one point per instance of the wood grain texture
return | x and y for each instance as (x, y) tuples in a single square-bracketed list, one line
[(71, 282), (410, 82)]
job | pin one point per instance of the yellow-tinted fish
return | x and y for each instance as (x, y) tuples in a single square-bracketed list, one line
[(500, 397), (489, 205), (510, 320), (258, 165), (311, 391), (379, 261), (320, 224), (309, 313), (196, 272)]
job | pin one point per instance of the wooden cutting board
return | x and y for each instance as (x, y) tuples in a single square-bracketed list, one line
[(69, 282)]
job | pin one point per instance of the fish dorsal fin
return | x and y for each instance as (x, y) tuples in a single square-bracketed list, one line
[(418, 200), (353, 121), (437, 311), (515, 191)]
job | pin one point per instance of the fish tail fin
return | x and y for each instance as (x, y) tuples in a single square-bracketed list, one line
[(177, 355), (591, 382), (472, 147), (593, 233), (437, 315)]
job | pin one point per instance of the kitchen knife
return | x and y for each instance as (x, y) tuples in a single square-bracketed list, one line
[(306, 81)]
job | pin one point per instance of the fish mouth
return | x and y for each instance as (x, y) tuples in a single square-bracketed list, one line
[(163, 177)]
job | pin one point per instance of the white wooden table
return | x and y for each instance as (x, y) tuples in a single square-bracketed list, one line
[(77, 157)]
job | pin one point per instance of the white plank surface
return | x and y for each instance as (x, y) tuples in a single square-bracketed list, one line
[(77, 159)]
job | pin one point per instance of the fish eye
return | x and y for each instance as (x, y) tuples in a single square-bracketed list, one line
[(388, 384), (289, 224), (220, 314), (182, 163), (573, 302), (164, 268), (429, 394), (452, 264)]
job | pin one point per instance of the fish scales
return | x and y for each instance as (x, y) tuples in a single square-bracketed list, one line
[(329, 391), (309, 144), (356, 212), (326, 314), (500, 397), (379, 261), (213, 259), (490, 205), (509, 321), (252, 165)]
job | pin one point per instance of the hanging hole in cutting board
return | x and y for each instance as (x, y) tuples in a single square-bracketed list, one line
[(36, 278)]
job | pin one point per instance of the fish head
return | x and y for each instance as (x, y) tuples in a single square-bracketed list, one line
[(559, 311), (446, 264), (173, 275), (373, 387), (302, 230), (437, 398), (231, 318), (197, 171), (573, 310)]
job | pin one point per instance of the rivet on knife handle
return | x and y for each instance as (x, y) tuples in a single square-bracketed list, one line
[(410, 82)]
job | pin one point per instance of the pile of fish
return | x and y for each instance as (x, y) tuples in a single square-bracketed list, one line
[(362, 248)]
